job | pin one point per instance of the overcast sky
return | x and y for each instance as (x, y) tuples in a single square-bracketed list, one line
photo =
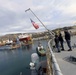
[(53, 14)]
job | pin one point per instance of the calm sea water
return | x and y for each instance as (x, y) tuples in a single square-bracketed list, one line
[(12, 62)]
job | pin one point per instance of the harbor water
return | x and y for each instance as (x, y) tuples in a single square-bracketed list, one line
[(14, 62)]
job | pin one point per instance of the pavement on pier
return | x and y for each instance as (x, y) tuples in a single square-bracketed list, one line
[(67, 66)]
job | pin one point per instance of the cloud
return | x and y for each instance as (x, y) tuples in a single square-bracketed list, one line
[(53, 14)]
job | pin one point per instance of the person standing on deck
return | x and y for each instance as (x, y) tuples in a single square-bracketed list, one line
[(61, 41), (68, 39), (56, 39)]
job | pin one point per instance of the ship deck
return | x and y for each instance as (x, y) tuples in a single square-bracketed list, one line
[(66, 64)]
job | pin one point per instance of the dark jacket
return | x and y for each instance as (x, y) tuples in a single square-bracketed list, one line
[(60, 38), (56, 39), (67, 36)]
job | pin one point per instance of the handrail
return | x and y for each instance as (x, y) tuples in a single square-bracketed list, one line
[(55, 66)]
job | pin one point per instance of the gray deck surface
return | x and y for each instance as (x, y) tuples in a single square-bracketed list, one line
[(67, 66)]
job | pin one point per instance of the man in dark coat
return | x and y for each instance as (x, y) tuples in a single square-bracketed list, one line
[(61, 41), (56, 39), (68, 39)]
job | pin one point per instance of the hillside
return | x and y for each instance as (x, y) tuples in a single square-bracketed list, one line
[(39, 34)]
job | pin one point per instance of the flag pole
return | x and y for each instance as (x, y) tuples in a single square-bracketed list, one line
[(39, 20)]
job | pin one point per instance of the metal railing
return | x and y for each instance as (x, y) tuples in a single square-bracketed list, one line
[(55, 67)]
